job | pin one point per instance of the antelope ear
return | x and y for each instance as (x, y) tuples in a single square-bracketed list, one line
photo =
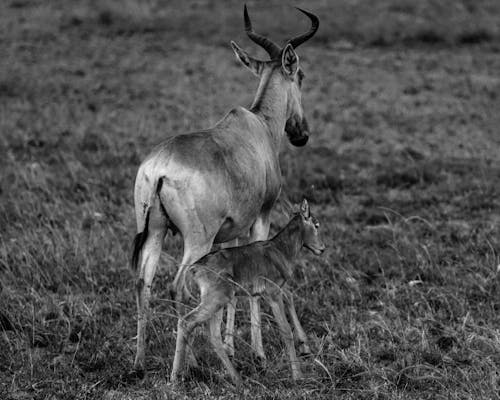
[(304, 209), (289, 61), (251, 63)]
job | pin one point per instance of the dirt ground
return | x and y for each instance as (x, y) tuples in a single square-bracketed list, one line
[(402, 169)]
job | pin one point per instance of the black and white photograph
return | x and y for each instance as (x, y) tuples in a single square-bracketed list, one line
[(251, 199)]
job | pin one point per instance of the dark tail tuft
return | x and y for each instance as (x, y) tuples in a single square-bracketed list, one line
[(141, 237), (139, 241)]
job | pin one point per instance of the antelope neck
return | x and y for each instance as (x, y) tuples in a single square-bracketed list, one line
[(270, 104), (289, 239)]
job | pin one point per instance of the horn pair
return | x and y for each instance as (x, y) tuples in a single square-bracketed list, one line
[(272, 48)]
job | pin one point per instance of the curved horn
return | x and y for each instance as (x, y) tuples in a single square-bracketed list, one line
[(298, 40), (272, 48)]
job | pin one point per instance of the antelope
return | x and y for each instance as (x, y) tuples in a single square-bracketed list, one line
[(260, 268), (220, 184)]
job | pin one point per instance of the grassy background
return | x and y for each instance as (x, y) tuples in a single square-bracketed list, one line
[(402, 169)]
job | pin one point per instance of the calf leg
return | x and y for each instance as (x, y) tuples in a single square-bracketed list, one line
[(192, 252), (180, 350), (205, 310), (216, 339), (231, 311), (278, 309), (229, 337), (255, 327), (303, 342)]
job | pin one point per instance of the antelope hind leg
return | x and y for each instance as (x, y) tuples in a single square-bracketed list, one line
[(185, 327), (149, 261), (218, 345)]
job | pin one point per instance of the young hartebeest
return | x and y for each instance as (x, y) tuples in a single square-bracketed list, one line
[(260, 268), (220, 184)]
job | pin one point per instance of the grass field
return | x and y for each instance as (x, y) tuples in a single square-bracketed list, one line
[(402, 169)]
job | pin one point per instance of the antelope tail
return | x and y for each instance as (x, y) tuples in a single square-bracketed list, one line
[(139, 241), (141, 237)]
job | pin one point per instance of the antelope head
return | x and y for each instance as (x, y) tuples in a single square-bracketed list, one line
[(283, 67), (310, 226)]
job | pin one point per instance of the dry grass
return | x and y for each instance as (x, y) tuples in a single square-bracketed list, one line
[(402, 170)]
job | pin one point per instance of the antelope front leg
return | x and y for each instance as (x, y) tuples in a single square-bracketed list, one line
[(180, 351), (229, 337), (255, 327), (278, 309), (303, 342), (259, 231)]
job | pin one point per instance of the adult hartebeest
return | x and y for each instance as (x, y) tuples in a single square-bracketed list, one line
[(220, 184)]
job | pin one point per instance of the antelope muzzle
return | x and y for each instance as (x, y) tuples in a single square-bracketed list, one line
[(297, 131)]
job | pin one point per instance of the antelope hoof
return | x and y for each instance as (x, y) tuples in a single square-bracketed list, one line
[(171, 291), (238, 383), (133, 376), (304, 350), (229, 350), (261, 363), (297, 376), (297, 373), (176, 378)]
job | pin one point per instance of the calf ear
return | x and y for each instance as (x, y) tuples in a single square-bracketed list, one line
[(304, 209), (251, 63), (289, 61)]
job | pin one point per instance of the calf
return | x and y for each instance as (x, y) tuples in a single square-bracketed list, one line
[(260, 268)]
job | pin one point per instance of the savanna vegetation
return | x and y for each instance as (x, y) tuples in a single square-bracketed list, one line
[(402, 169)]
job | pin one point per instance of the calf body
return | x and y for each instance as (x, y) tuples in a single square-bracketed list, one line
[(260, 268)]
